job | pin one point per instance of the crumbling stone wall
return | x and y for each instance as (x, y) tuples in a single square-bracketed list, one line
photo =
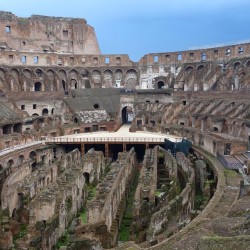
[(106, 209), (178, 208), (94, 166)]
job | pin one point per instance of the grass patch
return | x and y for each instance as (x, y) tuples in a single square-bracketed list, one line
[(83, 216), (22, 232), (91, 192), (124, 233), (230, 173), (63, 241)]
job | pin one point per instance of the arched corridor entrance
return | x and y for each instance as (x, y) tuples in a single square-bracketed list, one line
[(127, 114), (38, 86), (160, 85)]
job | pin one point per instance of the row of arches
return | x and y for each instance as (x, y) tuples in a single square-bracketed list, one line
[(62, 79), (235, 65)]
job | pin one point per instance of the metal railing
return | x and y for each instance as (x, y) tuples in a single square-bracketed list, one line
[(105, 139)]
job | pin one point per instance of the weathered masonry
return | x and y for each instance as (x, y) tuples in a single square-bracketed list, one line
[(98, 151)]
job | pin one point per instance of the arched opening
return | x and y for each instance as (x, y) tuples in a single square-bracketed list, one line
[(10, 164), (96, 106), (131, 79), (189, 69), (7, 129), (45, 112), (160, 85), (44, 159), (1, 168), (33, 166), (65, 87), (20, 160), (14, 213), (200, 68), (75, 120), (73, 84), (127, 114), (108, 78), (39, 72), (38, 86), (237, 65), (32, 155), (86, 176), (248, 64), (52, 111), (96, 79), (17, 128), (118, 78)]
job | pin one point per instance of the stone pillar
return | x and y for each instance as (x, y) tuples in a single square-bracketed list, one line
[(147, 145), (124, 146), (106, 150), (83, 149)]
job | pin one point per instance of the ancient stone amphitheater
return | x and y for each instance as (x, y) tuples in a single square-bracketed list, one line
[(100, 152)]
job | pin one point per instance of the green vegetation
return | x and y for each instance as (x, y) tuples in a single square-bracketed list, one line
[(91, 192), (63, 241), (198, 200), (230, 173), (124, 231), (157, 192), (22, 232), (83, 215)]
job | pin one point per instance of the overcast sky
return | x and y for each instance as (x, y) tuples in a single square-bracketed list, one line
[(138, 27)]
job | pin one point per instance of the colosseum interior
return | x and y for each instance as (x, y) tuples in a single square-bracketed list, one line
[(100, 152)]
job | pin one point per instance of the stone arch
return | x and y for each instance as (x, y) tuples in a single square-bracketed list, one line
[(17, 128), (51, 79), (200, 67), (189, 69), (127, 114), (160, 84), (96, 78), (38, 86), (27, 73), (248, 64), (108, 78), (45, 112), (7, 129), (32, 155), (73, 76), (2, 79), (73, 84), (20, 160), (14, 80), (63, 79), (131, 79), (118, 78), (35, 114), (73, 73), (62, 74), (10, 164), (51, 74), (84, 73), (26, 80), (2, 73), (39, 72), (86, 177), (237, 65)]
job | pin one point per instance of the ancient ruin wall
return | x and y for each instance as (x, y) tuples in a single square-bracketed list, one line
[(47, 34)]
